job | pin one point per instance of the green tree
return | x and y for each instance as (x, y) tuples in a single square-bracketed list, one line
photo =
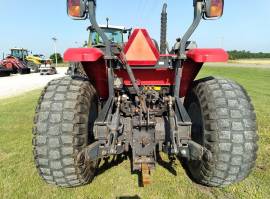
[(59, 58), (235, 54)]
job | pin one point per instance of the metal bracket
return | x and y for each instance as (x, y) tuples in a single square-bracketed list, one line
[(180, 126), (197, 151), (97, 150), (106, 112), (91, 153), (183, 42), (181, 113)]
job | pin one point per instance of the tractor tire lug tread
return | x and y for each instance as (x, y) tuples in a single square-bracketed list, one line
[(230, 131), (60, 132)]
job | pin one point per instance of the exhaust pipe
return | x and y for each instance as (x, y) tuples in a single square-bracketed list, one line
[(163, 30)]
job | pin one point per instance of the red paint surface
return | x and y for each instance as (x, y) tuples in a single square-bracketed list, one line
[(83, 54), (97, 73), (163, 77), (150, 77), (95, 67), (190, 71), (11, 62), (208, 55)]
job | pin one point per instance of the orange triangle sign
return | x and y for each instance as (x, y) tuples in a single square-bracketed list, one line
[(140, 49)]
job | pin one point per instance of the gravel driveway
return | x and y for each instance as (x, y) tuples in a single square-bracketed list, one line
[(19, 84)]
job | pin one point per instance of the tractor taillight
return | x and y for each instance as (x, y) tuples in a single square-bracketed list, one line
[(214, 8), (76, 9)]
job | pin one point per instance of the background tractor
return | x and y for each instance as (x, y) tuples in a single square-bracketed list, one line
[(116, 34), (15, 62), (31, 61), (24, 60), (136, 100), (40, 59)]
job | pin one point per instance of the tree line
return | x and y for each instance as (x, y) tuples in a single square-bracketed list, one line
[(235, 54), (57, 56)]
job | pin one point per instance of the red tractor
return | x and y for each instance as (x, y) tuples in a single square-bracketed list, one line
[(135, 99), (15, 62)]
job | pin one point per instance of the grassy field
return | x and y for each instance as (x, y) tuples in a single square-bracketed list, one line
[(251, 61), (19, 178)]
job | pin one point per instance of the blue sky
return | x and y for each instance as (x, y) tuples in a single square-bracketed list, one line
[(32, 24)]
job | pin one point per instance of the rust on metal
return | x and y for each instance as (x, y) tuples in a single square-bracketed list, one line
[(146, 180)]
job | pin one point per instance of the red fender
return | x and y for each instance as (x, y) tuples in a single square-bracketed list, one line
[(95, 67), (83, 55), (202, 55)]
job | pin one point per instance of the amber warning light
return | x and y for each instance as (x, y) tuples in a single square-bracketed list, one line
[(214, 8), (76, 9)]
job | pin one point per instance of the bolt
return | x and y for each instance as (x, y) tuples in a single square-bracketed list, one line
[(207, 155), (183, 152), (144, 141), (104, 153)]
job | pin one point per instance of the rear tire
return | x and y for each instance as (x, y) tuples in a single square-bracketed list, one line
[(24, 71), (224, 122), (33, 67), (4, 72), (63, 126)]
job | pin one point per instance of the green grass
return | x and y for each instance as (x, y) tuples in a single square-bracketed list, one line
[(19, 178)]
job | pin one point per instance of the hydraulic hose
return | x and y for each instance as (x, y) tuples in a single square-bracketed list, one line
[(163, 30)]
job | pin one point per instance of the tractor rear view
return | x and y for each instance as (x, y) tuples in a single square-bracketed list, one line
[(133, 98)]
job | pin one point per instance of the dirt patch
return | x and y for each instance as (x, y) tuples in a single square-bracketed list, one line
[(206, 190), (3, 156)]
